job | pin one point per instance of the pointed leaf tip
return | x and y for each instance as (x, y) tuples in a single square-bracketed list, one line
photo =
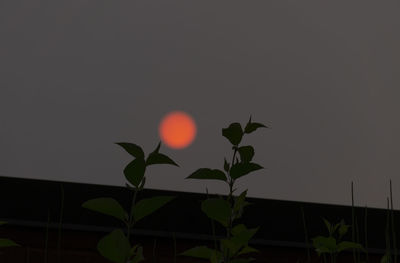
[(158, 147), (158, 158), (107, 206), (252, 126), (226, 165), (133, 149), (148, 206), (206, 173), (241, 169)]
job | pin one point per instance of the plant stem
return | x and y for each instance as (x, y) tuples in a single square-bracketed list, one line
[(131, 221), (154, 250), (60, 225), (231, 202), (174, 238), (46, 242), (352, 221), (393, 229), (357, 240), (387, 237), (231, 180), (366, 233), (28, 254), (305, 234), (213, 228)]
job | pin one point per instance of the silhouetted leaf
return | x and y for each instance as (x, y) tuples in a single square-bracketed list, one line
[(215, 257), (107, 206), (246, 153), (233, 133), (328, 225), (324, 244), (133, 149), (226, 166), (240, 169), (206, 173), (2, 223), (159, 158), (217, 209), (239, 204), (199, 252), (138, 254), (343, 229), (386, 259), (148, 206), (252, 126), (230, 245), (348, 245), (7, 243), (115, 247), (134, 171), (242, 235)]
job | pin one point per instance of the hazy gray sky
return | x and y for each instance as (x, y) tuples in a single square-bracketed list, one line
[(76, 76)]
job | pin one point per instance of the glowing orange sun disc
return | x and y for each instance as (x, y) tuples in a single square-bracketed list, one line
[(177, 130)]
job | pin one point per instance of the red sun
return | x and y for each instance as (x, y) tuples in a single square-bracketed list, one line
[(177, 130)]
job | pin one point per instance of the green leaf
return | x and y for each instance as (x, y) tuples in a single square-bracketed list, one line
[(133, 149), (107, 206), (133, 250), (158, 158), (343, 229), (226, 166), (199, 252), (252, 126), (7, 243), (233, 133), (114, 247), (231, 246), (335, 227), (240, 169), (138, 255), (206, 173), (385, 259), (324, 244), (148, 206), (348, 245), (239, 204), (134, 171), (215, 257), (246, 153), (242, 235), (328, 225), (247, 250), (217, 209), (3, 223)]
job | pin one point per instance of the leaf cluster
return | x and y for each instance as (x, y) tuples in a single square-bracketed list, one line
[(226, 210), (333, 244), (116, 246), (4, 242)]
